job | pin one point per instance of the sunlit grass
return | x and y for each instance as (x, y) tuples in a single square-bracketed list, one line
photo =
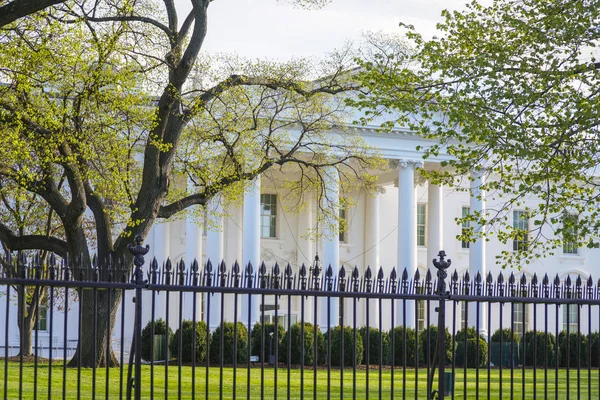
[(222, 385)]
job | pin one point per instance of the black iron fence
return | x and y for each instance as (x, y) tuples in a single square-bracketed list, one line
[(272, 335)]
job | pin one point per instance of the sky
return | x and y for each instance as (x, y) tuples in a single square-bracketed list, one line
[(269, 29)]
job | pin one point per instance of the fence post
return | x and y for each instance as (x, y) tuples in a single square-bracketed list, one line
[(138, 252), (442, 265)]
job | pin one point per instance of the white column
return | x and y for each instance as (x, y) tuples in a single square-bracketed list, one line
[(214, 253), (407, 232), (477, 248), (371, 257), (251, 246), (233, 252), (306, 253), (193, 251), (330, 242), (435, 224), (161, 253)]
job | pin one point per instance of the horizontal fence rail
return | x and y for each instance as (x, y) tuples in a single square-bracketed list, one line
[(113, 330)]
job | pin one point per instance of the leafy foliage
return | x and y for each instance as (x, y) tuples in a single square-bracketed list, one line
[(477, 349), (509, 89), (229, 343), (256, 335), (404, 345), (160, 329), (307, 345), (352, 348), (187, 341)]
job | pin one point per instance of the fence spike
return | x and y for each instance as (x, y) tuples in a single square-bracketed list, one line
[(428, 276), (568, 281), (302, 271), (500, 279), (478, 277), (368, 273), (380, 274), (417, 276), (545, 280), (276, 270), (342, 273), (405, 275), (534, 280), (454, 277), (329, 272), (355, 273), (490, 278), (467, 277), (511, 278), (578, 281), (262, 269), (394, 274)]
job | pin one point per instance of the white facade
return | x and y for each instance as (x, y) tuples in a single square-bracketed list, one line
[(404, 224)]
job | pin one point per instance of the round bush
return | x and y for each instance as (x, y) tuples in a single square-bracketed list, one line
[(297, 345), (256, 336), (187, 330), (506, 336), (229, 343), (400, 346), (423, 346), (536, 349), (349, 346), (594, 341), (160, 328), (575, 358), (374, 345), (473, 340)]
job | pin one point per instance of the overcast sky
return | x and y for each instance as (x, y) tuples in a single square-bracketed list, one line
[(268, 29)]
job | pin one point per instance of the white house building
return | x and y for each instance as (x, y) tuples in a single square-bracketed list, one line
[(403, 224)]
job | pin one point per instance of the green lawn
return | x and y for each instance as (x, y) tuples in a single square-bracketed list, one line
[(296, 384)]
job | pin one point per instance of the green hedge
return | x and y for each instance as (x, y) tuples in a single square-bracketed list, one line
[(472, 356), (256, 335), (297, 345), (229, 343), (400, 345), (349, 346), (536, 349), (160, 328), (433, 332), (375, 344), (575, 358), (187, 330)]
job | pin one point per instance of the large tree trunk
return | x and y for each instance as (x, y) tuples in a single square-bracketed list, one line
[(98, 312), (24, 323)]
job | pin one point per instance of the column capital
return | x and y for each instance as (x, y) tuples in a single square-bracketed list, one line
[(405, 163)]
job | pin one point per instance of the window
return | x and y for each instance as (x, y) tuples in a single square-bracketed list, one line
[(268, 215), (570, 234), (521, 227), (520, 317), (42, 318), (421, 223), (343, 223), (570, 314), (420, 315), (465, 230)]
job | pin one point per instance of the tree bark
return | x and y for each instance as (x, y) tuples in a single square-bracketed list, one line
[(19, 8), (98, 312), (24, 323)]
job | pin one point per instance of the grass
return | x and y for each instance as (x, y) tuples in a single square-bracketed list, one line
[(416, 383)]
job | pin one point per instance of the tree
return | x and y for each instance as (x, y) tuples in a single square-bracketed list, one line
[(10, 11), (511, 88), (78, 106)]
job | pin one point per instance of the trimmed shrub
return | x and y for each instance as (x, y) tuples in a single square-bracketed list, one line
[(594, 340), (423, 346), (509, 341), (187, 330), (400, 346), (506, 336), (473, 340), (256, 335), (229, 343), (537, 354), (374, 345), (575, 358), (349, 346), (160, 328), (307, 345)]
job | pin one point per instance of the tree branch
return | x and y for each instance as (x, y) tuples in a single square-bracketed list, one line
[(19, 8), (32, 242)]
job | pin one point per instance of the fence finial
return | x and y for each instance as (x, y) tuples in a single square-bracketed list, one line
[(138, 252), (442, 265)]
